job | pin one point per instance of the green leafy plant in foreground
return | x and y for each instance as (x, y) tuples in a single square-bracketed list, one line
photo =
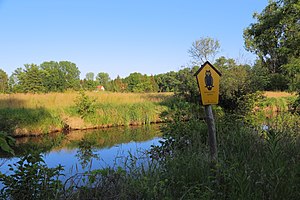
[(6, 142), (31, 179)]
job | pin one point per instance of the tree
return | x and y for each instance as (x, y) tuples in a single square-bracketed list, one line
[(54, 80), (89, 76), (235, 85), (153, 84), (103, 79), (260, 77), (292, 69), (14, 82), (275, 38), (167, 82), (60, 76), (3, 81), (134, 81), (71, 74), (204, 49), (118, 85), (31, 79), (187, 86)]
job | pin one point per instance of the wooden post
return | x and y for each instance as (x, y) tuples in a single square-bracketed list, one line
[(212, 140), (208, 80)]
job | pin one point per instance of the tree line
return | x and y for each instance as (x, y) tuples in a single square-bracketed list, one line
[(64, 75)]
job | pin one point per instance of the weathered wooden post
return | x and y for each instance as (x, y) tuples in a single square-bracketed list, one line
[(208, 79)]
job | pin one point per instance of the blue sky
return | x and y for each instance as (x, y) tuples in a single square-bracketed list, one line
[(120, 36)]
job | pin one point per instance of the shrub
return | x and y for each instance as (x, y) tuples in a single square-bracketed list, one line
[(31, 179), (6, 142), (85, 105)]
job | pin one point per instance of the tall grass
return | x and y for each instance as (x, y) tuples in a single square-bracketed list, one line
[(252, 164), (30, 114), (276, 104), (64, 100)]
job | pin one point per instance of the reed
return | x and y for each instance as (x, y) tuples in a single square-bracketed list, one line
[(32, 114), (64, 100)]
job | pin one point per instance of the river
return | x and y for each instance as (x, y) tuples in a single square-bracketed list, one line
[(82, 151)]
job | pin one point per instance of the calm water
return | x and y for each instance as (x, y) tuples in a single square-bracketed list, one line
[(82, 151)]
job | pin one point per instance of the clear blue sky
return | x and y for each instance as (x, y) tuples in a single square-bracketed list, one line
[(120, 36)]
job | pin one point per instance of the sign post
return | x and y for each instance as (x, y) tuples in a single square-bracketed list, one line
[(208, 79)]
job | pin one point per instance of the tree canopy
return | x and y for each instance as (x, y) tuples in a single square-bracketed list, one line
[(275, 38)]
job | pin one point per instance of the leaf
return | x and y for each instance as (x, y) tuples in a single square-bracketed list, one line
[(5, 147)]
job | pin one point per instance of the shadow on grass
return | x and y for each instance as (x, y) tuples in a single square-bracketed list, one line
[(11, 103), (13, 118)]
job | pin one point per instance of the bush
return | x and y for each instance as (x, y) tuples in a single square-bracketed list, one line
[(31, 179), (85, 105), (6, 142)]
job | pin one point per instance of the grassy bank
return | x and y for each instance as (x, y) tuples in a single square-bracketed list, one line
[(252, 164), (32, 114), (272, 102)]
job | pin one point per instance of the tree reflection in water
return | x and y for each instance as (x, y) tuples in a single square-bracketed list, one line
[(85, 153)]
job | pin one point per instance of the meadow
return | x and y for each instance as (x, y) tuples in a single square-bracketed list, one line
[(34, 114)]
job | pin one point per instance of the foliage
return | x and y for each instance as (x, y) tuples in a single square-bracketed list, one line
[(245, 161), (275, 38), (104, 80), (31, 79), (253, 164), (203, 50), (6, 142), (167, 82), (136, 82), (3, 81), (260, 77), (89, 85), (85, 105), (236, 92), (188, 87), (296, 104), (292, 69), (90, 76), (48, 77), (118, 85), (31, 179), (55, 80)]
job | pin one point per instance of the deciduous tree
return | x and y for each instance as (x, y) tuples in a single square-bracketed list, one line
[(204, 49), (3, 81), (275, 38)]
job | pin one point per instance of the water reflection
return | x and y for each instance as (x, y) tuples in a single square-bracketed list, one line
[(82, 151), (85, 153)]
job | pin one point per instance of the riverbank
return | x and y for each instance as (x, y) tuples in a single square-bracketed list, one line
[(36, 114), (273, 102)]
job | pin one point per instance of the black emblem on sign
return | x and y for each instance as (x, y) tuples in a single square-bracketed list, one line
[(209, 81)]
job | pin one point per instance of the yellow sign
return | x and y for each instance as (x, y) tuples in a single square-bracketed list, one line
[(208, 79)]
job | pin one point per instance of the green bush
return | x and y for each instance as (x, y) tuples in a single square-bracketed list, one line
[(31, 179), (85, 105), (6, 142)]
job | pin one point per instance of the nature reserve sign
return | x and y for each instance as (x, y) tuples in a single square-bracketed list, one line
[(208, 79)]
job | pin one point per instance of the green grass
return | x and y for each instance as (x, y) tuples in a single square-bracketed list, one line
[(276, 104), (33, 114), (252, 164)]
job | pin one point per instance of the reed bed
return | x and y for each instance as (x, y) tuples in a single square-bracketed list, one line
[(63, 100), (34, 114)]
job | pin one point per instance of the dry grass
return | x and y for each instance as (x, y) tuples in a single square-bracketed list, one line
[(270, 94), (63, 100)]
